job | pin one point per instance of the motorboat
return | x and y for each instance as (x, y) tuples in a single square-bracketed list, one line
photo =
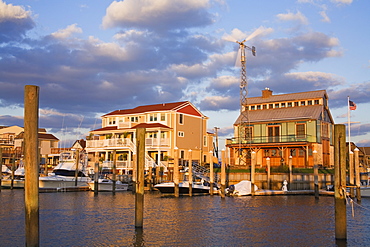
[(243, 188), (18, 179), (64, 174), (5, 170), (106, 184), (202, 187)]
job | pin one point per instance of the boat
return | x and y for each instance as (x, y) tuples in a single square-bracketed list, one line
[(5, 170), (106, 184), (202, 187), (64, 174), (18, 179), (243, 188)]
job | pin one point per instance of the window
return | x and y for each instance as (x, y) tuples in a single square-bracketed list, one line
[(205, 141), (181, 134), (282, 104), (303, 102), (153, 117), (163, 117), (181, 118), (247, 133), (290, 104), (182, 154), (273, 133), (264, 106), (300, 131), (253, 107), (317, 102), (258, 107), (271, 106), (112, 120), (296, 103), (134, 119), (277, 105), (309, 102)]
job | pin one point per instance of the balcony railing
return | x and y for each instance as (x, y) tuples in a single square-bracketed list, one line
[(273, 139), (125, 143)]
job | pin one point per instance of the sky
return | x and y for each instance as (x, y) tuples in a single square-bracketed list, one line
[(90, 58)]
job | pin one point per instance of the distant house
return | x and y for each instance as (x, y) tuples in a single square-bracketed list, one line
[(282, 126), (12, 139), (172, 130)]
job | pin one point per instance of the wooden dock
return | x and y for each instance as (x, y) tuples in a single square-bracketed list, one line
[(65, 189), (292, 192)]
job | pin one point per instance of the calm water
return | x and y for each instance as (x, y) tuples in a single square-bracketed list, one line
[(82, 219)]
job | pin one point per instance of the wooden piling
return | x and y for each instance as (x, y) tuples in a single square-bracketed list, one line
[(139, 186), (114, 172), (46, 165), (357, 172), (190, 173), (31, 183), (13, 171), (223, 174), (290, 164), (211, 173), (340, 181), (351, 175), (253, 170), (315, 174), (1, 164), (77, 165), (176, 173), (96, 174), (268, 163)]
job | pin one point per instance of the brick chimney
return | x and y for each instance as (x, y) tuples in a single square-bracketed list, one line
[(266, 93)]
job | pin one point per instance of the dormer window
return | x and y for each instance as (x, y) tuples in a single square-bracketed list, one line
[(303, 103), (253, 107)]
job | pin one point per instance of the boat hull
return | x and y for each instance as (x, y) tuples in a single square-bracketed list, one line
[(17, 183), (169, 188), (365, 191), (108, 186), (62, 182)]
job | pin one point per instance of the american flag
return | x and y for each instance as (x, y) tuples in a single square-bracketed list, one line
[(352, 105)]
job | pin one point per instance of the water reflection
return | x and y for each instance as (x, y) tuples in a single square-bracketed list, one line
[(85, 219)]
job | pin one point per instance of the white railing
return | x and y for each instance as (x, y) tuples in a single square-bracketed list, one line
[(120, 164), (126, 143)]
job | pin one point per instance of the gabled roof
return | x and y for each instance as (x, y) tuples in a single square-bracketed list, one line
[(43, 136), (284, 114), (288, 97), (184, 107)]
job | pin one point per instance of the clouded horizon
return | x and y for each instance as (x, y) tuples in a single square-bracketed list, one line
[(111, 55)]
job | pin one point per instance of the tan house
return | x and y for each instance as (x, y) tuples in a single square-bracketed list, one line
[(172, 130), (11, 142), (282, 127)]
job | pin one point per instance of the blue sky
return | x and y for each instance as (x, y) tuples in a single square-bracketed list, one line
[(92, 57)]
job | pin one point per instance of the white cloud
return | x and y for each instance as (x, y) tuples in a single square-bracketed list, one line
[(9, 11), (317, 78), (297, 17), (340, 2), (165, 14), (67, 32)]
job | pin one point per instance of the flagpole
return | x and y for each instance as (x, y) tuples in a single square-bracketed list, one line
[(349, 127)]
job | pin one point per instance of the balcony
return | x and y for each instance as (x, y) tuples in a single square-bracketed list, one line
[(125, 143), (273, 139)]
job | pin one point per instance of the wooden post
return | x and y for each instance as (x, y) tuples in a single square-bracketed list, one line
[(134, 172), (114, 172), (211, 174), (96, 174), (315, 174), (150, 173), (190, 173), (77, 160), (290, 163), (1, 164), (31, 183), (223, 174), (268, 163), (176, 173), (253, 169), (140, 166), (357, 171), (13, 170), (351, 174), (46, 165), (340, 151)]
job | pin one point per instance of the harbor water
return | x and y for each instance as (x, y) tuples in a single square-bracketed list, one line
[(85, 219)]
